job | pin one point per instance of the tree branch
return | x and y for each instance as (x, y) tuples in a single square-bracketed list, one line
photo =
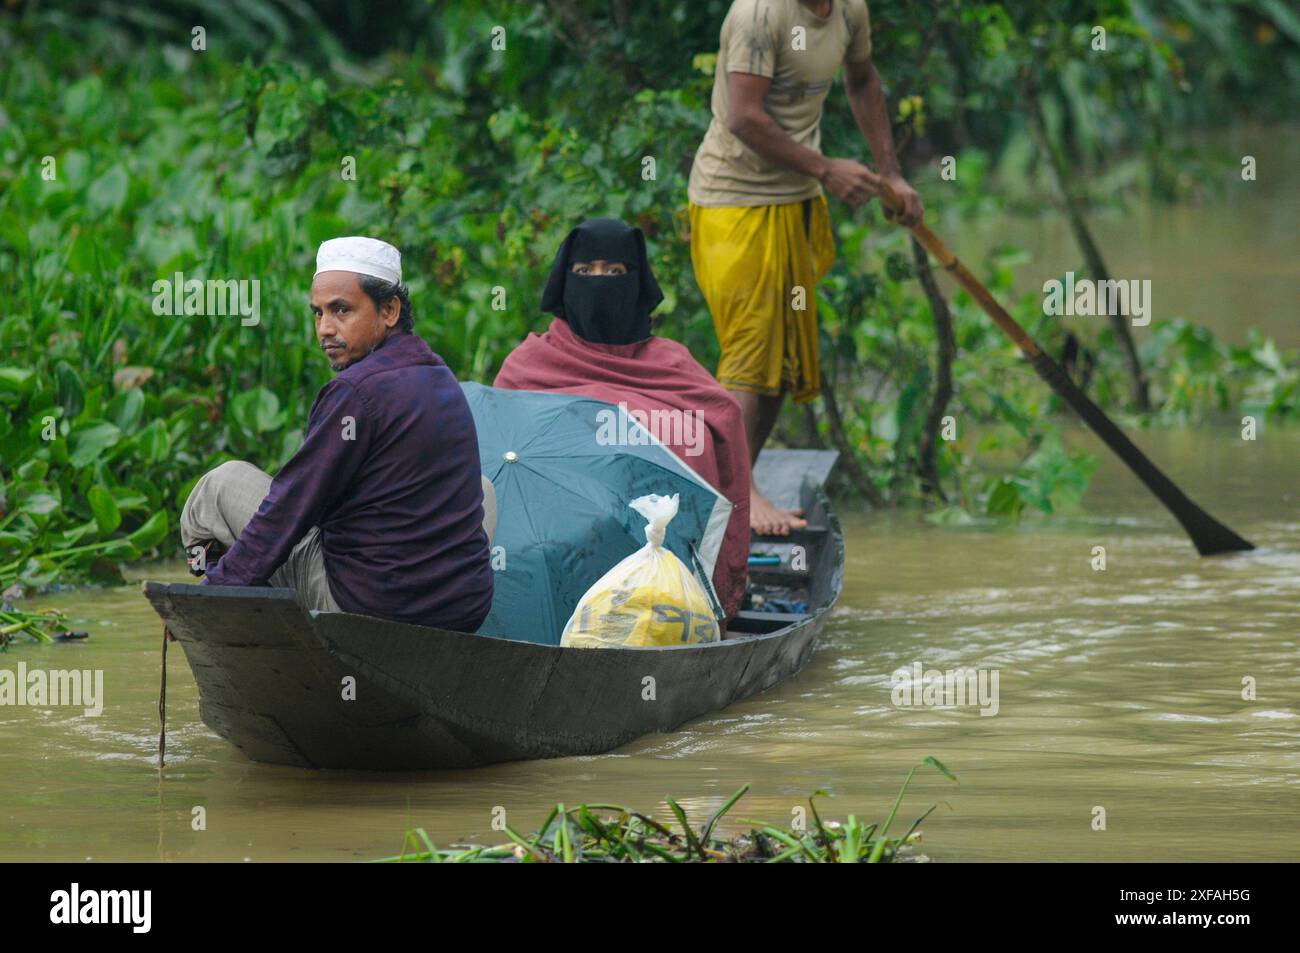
[(1096, 265), (945, 351), (848, 454)]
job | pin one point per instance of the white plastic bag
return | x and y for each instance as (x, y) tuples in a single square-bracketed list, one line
[(649, 598)]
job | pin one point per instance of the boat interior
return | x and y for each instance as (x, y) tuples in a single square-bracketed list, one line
[(790, 577)]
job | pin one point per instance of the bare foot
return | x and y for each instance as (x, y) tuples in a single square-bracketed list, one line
[(768, 519)]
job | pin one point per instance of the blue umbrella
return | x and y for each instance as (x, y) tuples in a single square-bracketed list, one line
[(565, 469)]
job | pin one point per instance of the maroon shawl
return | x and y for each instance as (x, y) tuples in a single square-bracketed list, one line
[(654, 374)]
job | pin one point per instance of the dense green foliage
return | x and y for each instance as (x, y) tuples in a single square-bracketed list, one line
[(230, 163)]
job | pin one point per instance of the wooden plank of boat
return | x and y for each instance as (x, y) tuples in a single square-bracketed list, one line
[(338, 690)]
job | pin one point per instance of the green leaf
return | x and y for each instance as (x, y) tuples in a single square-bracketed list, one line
[(33, 470), (87, 443), (151, 533), (83, 98), (39, 504), (108, 192), (126, 408), (37, 572), (256, 410), (122, 550), (154, 442), (77, 535), (68, 390), (935, 763), (107, 516), (16, 380), (1005, 499), (129, 499), (717, 815), (13, 542), (692, 841)]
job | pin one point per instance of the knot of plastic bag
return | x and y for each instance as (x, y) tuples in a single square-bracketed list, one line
[(659, 512)]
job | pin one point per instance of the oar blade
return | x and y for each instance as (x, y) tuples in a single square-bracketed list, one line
[(1209, 536), (1212, 538)]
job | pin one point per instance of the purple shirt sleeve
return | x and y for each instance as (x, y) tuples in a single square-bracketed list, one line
[(305, 489)]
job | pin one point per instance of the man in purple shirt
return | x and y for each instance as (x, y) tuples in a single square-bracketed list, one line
[(383, 510)]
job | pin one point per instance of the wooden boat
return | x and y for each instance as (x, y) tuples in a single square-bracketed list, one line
[(337, 690)]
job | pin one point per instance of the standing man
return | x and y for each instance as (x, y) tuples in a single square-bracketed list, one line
[(382, 511), (760, 227)]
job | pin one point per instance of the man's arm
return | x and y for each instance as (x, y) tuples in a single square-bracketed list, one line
[(749, 122), (318, 475), (867, 99)]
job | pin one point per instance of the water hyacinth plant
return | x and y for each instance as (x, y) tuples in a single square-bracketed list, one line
[(610, 833), (40, 626)]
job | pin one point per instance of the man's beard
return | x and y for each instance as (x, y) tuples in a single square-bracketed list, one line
[(344, 363)]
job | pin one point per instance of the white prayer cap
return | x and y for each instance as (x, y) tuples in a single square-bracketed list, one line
[(364, 256)]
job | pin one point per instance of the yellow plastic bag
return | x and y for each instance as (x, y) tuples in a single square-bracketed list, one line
[(649, 598)]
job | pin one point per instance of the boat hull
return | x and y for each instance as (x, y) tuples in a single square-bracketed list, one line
[(427, 698), (291, 686)]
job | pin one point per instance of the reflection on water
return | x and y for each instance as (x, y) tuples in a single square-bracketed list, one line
[(1119, 689)]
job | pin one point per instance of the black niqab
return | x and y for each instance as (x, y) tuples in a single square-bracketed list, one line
[(603, 309)]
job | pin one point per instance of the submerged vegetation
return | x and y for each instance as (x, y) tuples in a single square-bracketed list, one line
[(608, 833), (141, 159), (41, 626)]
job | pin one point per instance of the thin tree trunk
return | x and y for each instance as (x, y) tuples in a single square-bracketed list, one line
[(962, 69), (945, 351), (1097, 269), (801, 434), (849, 461), (812, 439)]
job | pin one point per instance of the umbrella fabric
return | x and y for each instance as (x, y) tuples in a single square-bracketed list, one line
[(565, 469), (652, 376)]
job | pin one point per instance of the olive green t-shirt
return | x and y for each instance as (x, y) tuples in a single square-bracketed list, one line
[(801, 52)]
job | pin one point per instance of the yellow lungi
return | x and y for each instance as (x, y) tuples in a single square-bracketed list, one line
[(749, 261)]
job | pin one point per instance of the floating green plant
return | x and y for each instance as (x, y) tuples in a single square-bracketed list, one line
[(611, 833)]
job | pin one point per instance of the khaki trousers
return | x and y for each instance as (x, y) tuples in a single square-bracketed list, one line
[(224, 501), (221, 505)]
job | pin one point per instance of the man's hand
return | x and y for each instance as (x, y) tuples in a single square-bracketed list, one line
[(912, 209), (867, 100), (850, 182)]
